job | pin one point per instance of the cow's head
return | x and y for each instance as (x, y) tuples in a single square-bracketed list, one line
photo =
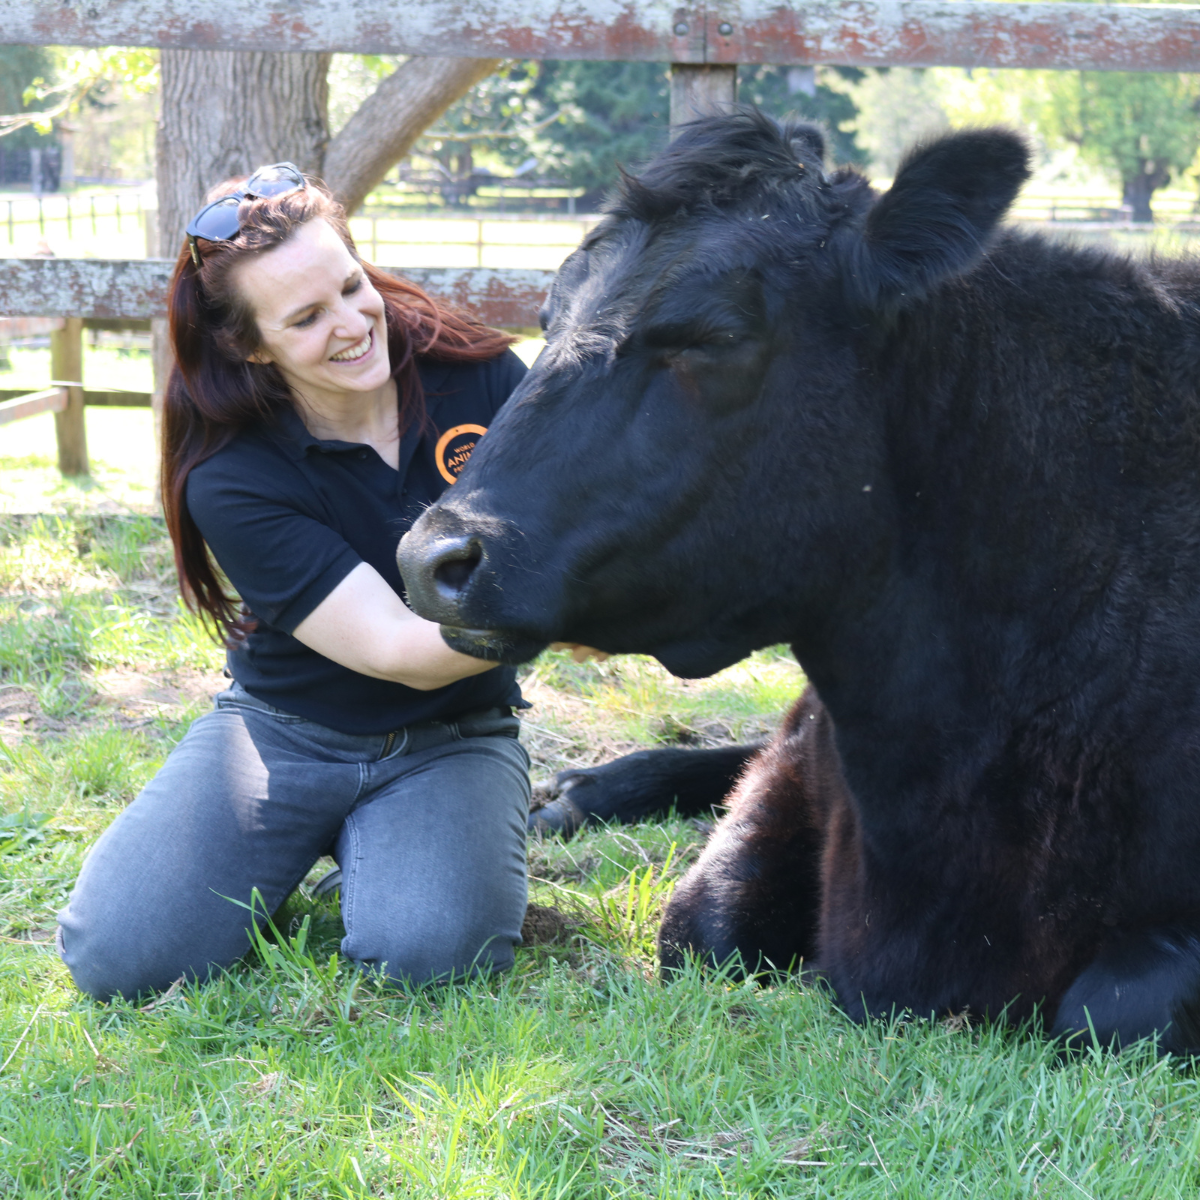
[(696, 463)]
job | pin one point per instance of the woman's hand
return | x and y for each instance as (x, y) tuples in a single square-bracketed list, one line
[(580, 653), (362, 624)]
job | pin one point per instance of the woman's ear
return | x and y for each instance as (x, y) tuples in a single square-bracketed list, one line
[(260, 358)]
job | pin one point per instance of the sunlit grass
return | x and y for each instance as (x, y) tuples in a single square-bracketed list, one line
[(576, 1076)]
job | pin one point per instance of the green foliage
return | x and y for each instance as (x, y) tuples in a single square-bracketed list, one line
[(614, 115), (1142, 126), (814, 96), (578, 120), (583, 121), (20, 66)]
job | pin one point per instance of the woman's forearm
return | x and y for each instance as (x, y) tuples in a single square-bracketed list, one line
[(363, 625)]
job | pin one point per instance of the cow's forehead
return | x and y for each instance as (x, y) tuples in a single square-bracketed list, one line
[(615, 278)]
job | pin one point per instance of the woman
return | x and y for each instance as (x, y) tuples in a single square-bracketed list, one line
[(317, 407)]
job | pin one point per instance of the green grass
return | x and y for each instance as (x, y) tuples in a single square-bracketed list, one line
[(576, 1076)]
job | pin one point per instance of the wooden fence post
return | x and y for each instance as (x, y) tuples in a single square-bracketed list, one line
[(701, 88), (162, 360), (66, 367)]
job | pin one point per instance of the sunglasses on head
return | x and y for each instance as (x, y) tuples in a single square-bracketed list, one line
[(218, 221)]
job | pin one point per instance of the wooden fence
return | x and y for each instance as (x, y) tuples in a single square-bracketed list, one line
[(130, 293), (864, 33)]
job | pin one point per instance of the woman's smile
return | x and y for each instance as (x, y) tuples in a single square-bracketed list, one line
[(356, 352)]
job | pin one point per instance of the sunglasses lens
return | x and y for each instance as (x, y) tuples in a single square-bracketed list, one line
[(219, 221), (274, 181)]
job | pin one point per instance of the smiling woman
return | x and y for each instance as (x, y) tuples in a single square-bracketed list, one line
[(305, 428)]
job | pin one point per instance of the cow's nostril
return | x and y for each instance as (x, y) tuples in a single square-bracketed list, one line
[(453, 574)]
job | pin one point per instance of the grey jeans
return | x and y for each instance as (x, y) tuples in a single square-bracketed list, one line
[(428, 826)]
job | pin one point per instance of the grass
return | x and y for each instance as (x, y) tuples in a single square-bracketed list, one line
[(576, 1076)]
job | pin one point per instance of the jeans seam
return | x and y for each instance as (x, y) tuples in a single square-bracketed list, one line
[(348, 876), (364, 775), (270, 714)]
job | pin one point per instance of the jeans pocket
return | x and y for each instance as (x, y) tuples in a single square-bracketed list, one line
[(241, 702)]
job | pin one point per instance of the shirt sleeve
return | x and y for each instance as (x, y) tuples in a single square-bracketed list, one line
[(282, 559)]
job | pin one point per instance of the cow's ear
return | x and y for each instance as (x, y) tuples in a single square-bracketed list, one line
[(936, 219)]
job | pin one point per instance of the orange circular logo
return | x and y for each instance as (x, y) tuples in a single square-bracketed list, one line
[(454, 448)]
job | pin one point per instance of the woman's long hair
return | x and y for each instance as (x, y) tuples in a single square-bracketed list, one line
[(213, 391)]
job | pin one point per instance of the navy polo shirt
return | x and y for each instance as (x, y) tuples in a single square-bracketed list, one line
[(288, 516)]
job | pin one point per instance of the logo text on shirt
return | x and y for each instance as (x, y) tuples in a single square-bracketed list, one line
[(454, 448)]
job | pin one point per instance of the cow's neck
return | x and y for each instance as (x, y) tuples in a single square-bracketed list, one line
[(1032, 505)]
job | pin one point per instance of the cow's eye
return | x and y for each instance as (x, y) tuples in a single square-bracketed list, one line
[(723, 372), (710, 346)]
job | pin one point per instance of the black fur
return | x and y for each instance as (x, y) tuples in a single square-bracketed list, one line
[(648, 783), (957, 468)]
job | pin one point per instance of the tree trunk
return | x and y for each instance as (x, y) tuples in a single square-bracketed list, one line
[(391, 119), (225, 112), (1137, 190)]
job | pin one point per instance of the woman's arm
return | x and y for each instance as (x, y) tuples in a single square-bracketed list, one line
[(362, 624)]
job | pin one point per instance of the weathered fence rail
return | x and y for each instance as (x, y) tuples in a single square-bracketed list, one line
[(868, 33), (90, 287), (116, 294)]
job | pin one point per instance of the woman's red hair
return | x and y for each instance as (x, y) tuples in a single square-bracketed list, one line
[(213, 391)]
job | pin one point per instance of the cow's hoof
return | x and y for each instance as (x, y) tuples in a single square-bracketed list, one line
[(330, 884), (560, 815)]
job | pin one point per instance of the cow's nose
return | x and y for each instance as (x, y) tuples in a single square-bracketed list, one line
[(452, 564)]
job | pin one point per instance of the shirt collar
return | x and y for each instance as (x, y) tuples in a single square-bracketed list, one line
[(298, 441)]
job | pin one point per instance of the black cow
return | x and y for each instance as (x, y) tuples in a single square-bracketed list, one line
[(958, 469)]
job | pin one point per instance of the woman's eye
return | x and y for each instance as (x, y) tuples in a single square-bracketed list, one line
[(304, 322), (353, 287)]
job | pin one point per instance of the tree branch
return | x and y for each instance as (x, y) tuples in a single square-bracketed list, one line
[(391, 119)]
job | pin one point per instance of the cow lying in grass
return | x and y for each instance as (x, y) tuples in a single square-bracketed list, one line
[(957, 468)]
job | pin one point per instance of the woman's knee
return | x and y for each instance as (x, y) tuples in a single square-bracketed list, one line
[(108, 965), (441, 952)]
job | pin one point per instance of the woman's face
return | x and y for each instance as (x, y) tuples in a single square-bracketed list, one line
[(320, 320)]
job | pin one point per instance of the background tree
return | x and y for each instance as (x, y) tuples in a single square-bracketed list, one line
[(571, 121), (223, 113), (20, 68), (816, 94), (1143, 127), (582, 121)]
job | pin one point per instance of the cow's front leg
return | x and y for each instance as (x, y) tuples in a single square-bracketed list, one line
[(646, 784), (753, 900), (1142, 985)]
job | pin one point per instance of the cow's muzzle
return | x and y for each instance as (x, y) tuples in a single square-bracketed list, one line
[(450, 579)]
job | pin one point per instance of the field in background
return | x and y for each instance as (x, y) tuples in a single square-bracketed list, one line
[(112, 224), (577, 1076)]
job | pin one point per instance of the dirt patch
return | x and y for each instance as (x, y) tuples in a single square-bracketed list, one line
[(545, 926), (127, 696), (21, 715), (562, 731), (140, 695)]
